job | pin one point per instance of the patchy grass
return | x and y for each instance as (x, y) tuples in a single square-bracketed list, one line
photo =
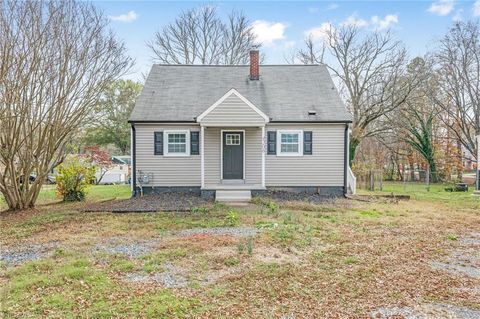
[(334, 260), (435, 193), (74, 287)]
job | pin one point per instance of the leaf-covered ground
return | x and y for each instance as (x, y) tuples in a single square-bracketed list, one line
[(344, 259)]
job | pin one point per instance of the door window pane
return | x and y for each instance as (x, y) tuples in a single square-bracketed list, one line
[(232, 139)]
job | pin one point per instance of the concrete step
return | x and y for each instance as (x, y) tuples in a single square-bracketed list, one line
[(233, 195)]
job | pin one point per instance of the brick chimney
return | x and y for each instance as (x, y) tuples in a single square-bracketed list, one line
[(254, 65)]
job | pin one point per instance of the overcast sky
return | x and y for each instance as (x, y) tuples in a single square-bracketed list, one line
[(282, 26)]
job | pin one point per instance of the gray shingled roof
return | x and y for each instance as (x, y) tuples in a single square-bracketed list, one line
[(284, 92)]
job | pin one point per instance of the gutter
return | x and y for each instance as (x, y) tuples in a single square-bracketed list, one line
[(151, 121), (285, 122), (307, 122)]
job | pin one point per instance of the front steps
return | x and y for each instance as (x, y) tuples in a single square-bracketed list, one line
[(233, 195)]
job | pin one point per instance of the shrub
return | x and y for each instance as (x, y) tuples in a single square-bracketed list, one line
[(232, 218), (268, 206), (272, 207), (74, 176)]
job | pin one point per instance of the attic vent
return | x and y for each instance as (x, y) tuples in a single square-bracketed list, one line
[(312, 112)]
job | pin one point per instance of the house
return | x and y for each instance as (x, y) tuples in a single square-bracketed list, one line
[(117, 173), (227, 132)]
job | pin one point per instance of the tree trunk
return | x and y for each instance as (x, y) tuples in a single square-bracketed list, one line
[(433, 171), (354, 142), (23, 199)]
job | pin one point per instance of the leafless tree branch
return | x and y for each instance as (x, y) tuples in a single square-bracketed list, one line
[(57, 58)]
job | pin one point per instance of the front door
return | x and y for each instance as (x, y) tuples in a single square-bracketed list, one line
[(232, 155)]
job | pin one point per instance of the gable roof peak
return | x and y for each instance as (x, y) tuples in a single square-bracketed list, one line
[(229, 93)]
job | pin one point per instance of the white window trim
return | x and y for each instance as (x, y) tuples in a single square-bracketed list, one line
[(300, 143), (165, 143)]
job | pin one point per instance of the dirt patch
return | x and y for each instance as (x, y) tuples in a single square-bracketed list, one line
[(275, 255), (229, 231), (172, 277), (465, 259), (165, 202)]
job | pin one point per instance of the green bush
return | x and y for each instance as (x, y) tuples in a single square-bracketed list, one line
[(74, 176), (232, 218), (272, 207)]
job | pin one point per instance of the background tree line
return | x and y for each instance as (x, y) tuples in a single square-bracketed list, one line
[(422, 112)]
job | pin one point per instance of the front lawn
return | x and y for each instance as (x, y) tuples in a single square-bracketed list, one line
[(342, 259), (94, 193), (435, 193)]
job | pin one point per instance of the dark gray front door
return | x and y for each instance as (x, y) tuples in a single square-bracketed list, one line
[(232, 155)]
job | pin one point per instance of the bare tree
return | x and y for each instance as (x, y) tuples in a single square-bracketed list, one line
[(370, 68), (314, 53), (199, 36), (458, 63), (57, 58)]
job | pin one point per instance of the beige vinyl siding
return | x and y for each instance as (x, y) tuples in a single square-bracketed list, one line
[(167, 170), (253, 155), (325, 167), (212, 156), (233, 111)]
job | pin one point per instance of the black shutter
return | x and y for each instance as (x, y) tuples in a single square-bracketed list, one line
[(307, 142), (158, 143), (195, 143), (271, 142)]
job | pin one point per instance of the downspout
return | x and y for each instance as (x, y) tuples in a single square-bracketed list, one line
[(134, 162), (345, 161)]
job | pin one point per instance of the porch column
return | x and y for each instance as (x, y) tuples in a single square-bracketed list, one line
[(263, 156), (202, 156)]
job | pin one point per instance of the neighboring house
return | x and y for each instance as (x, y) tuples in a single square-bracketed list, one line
[(117, 173), (468, 160), (230, 131)]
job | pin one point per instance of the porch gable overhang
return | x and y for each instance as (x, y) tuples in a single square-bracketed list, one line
[(233, 110)]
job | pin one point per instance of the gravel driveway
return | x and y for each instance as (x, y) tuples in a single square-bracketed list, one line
[(22, 253), (426, 311), (465, 259)]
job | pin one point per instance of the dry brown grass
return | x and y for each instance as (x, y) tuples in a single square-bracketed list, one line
[(358, 256)]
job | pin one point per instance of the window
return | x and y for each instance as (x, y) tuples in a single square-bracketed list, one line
[(177, 143), (232, 139), (290, 143)]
